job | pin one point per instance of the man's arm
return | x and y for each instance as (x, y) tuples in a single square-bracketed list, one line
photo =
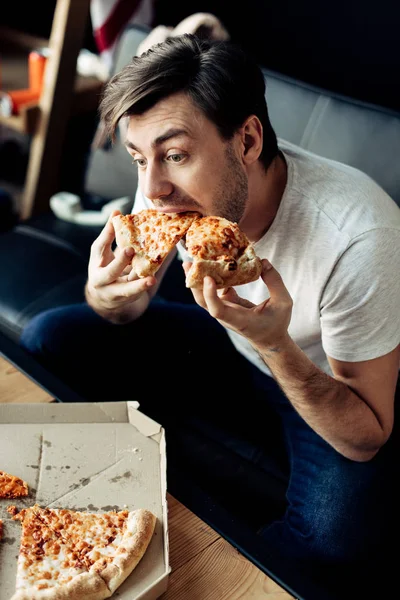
[(352, 411)]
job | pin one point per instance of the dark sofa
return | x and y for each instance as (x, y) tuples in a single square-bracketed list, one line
[(44, 264)]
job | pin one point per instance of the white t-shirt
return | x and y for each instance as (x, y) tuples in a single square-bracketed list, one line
[(335, 241)]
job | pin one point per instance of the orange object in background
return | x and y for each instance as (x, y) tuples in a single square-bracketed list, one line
[(10, 102), (36, 67)]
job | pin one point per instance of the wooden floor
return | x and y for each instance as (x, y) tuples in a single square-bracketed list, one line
[(211, 569), (204, 566), (15, 387)]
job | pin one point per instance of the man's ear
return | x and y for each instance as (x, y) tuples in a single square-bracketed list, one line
[(251, 139)]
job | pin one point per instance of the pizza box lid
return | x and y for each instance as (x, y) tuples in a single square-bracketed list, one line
[(91, 457)]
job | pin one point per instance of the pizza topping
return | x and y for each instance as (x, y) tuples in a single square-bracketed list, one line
[(78, 554), (221, 250), (12, 486), (12, 510), (152, 235), (215, 238), (42, 561), (93, 536)]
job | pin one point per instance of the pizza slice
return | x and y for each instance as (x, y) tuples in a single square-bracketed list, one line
[(152, 235), (110, 544), (221, 250), (12, 486), (47, 569)]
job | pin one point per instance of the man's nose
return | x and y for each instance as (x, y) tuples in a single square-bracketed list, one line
[(156, 183)]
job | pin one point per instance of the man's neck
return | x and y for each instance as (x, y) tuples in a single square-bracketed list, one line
[(265, 193)]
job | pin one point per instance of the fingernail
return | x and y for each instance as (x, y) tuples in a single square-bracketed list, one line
[(129, 252), (267, 265)]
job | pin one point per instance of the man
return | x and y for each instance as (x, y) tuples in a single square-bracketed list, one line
[(315, 340)]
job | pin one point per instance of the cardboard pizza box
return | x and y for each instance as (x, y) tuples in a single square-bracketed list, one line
[(91, 457)]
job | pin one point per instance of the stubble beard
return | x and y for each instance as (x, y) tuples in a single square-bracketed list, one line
[(232, 192)]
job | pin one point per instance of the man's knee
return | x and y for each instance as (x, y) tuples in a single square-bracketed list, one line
[(52, 327), (33, 336)]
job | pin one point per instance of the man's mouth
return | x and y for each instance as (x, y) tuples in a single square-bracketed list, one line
[(175, 209)]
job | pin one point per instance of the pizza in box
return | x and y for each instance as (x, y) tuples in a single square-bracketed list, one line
[(74, 555)]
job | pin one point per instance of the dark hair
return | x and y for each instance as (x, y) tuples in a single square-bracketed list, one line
[(219, 77)]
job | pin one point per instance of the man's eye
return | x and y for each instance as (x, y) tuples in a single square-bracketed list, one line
[(176, 158), (140, 162)]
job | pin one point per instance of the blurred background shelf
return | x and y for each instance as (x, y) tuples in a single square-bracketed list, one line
[(14, 50), (64, 94), (87, 91)]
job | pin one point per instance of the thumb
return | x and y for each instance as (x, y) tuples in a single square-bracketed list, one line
[(186, 266), (273, 281)]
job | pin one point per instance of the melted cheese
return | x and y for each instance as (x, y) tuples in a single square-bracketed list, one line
[(95, 537), (11, 486), (214, 238), (43, 561), (152, 232)]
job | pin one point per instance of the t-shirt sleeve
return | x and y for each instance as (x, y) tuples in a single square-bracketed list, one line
[(360, 305)]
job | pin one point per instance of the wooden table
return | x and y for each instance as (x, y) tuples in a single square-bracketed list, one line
[(204, 565)]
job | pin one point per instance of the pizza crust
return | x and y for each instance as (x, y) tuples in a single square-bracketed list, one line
[(87, 586), (140, 529), (225, 272)]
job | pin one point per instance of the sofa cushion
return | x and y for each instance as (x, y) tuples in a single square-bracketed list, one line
[(38, 271), (358, 134)]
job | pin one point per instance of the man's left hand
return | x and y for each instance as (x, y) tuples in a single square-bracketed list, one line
[(264, 325)]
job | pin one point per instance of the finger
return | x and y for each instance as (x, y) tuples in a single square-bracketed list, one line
[(130, 289), (127, 269), (199, 297), (117, 253), (138, 286), (233, 313), (197, 292), (115, 269), (118, 250), (103, 242), (133, 276), (186, 265), (223, 292), (273, 281), (230, 295), (122, 279), (213, 302)]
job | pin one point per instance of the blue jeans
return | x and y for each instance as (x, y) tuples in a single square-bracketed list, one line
[(177, 360)]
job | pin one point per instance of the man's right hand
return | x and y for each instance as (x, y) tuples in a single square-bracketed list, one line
[(108, 290)]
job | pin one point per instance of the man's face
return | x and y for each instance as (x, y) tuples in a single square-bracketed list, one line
[(183, 163)]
